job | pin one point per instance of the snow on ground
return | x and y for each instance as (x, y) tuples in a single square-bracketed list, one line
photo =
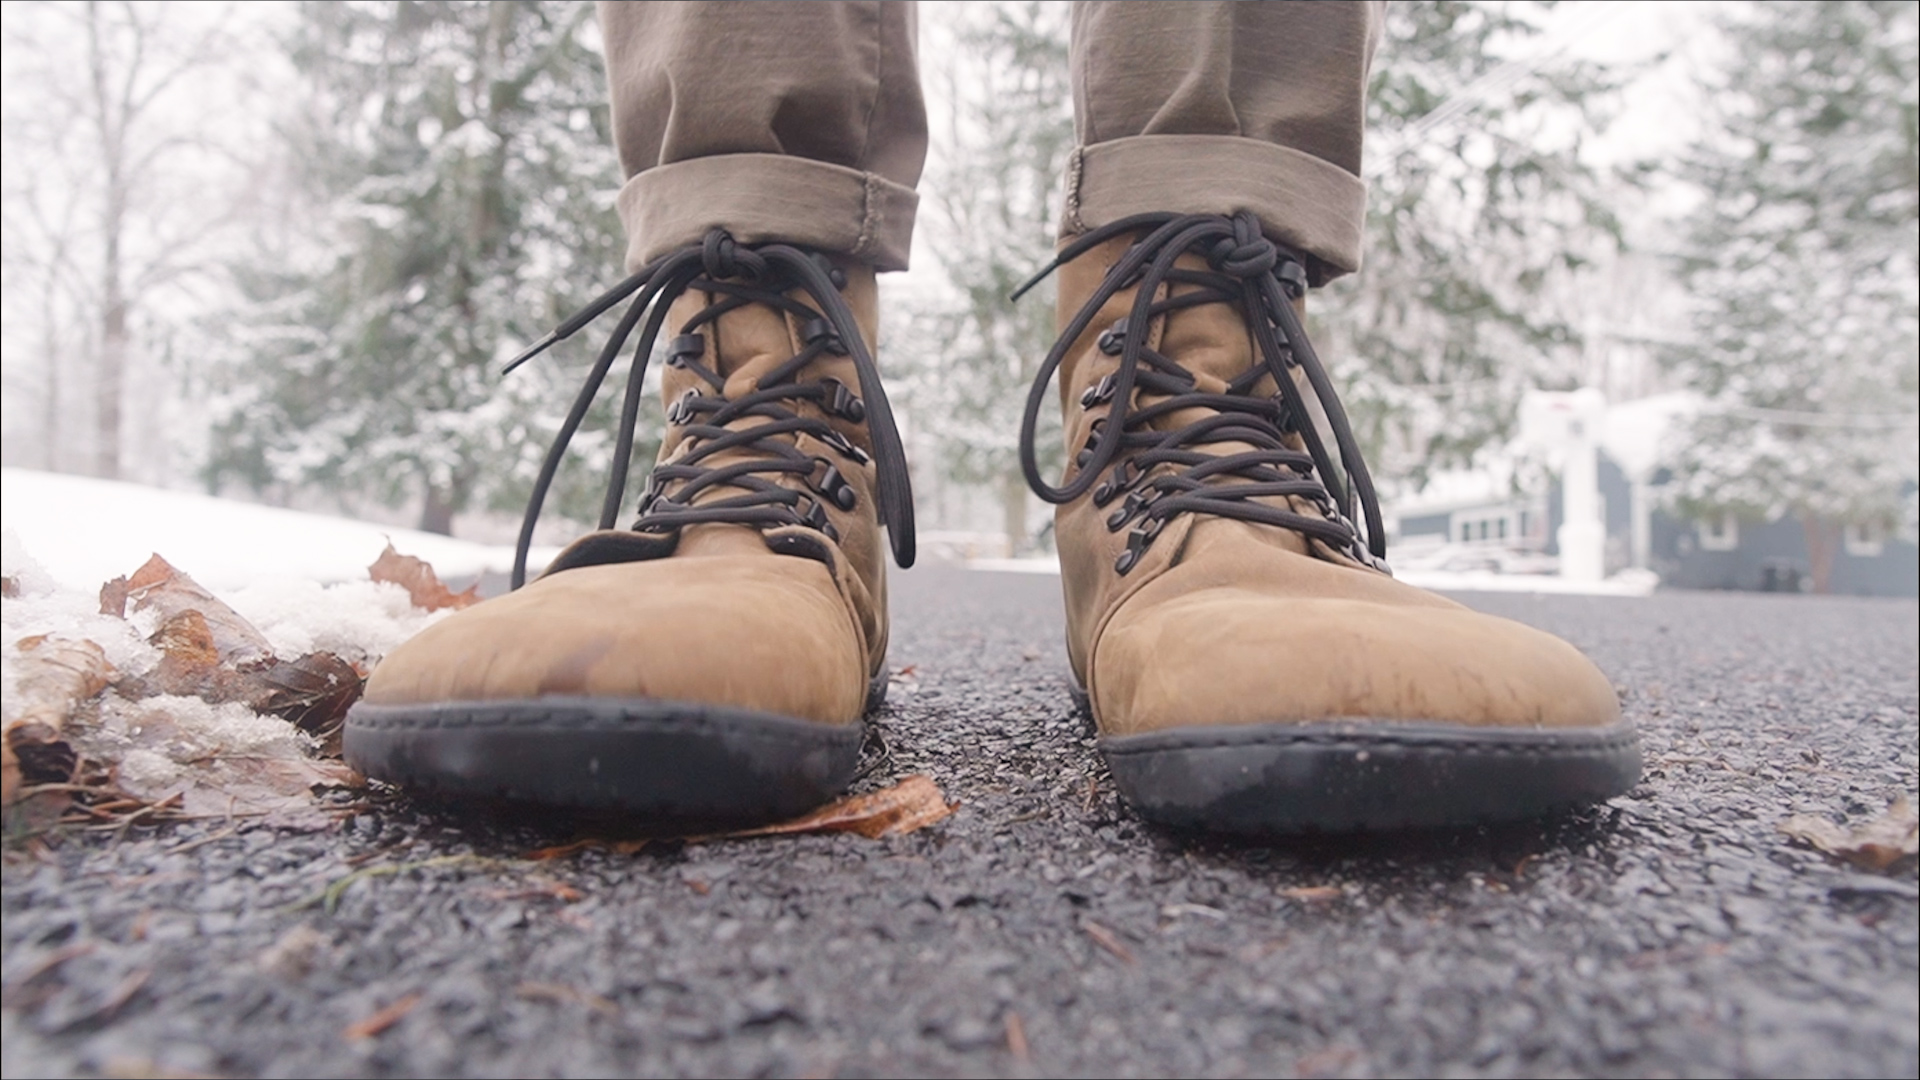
[(301, 579), (1625, 583), (84, 531)]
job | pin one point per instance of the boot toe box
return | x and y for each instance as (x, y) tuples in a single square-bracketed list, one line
[(767, 634), (1236, 655)]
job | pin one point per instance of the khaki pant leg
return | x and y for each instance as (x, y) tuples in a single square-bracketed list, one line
[(792, 121), (1211, 106)]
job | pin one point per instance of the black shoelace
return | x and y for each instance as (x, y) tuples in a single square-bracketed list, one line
[(740, 275), (1124, 454)]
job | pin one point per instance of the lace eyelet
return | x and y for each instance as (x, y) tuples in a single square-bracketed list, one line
[(845, 446), (1099, 393), (684, 348), (840, 401), (1137, 543), (832, 485), (681, 410), (820, 332)]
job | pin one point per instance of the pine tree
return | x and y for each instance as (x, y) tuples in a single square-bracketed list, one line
[(1804, 259), (1481, 207), (460, 175)]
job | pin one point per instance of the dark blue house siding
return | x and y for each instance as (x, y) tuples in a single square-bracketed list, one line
[(1425, 525), (1772, 555)]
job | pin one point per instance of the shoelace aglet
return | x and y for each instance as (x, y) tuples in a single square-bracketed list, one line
[(586, 314), (1085, 243), (531, 351), (1052, 265)]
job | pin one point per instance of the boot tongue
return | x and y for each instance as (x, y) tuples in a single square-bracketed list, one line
[(1213, 343), (745, 348)]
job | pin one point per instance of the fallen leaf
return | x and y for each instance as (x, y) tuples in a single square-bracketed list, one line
[(422, 584), (48, 962), (910, 805), (1017, 1038), (10, 586), (561, 851), (189, 660), (53, 677), (125, 1067), (113, 598), (382, 1020), (538, 890), (159, 586), (313, 693), (1108, 940), (539, 991), (1876, 845), (1313, 894)]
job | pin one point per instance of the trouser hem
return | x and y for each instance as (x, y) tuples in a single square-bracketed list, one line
[(760, 198), (1302, 201)]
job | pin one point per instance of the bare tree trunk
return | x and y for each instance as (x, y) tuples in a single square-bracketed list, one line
[(1823, 543), (111, 371), (436, 514), (443, 500), (50, 404), (111, 114)]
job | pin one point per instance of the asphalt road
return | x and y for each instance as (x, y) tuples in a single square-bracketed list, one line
[(1043, 930)]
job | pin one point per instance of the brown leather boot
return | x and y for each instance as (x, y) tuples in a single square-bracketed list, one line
[(1249, 661), (715, 660)]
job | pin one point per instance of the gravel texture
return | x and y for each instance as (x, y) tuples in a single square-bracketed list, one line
[(1042, 929)]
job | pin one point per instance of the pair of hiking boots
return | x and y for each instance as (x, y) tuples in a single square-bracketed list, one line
[(1250, 664)]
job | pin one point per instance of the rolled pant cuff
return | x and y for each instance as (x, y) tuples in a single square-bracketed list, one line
[(1309, 204), (768, 197)]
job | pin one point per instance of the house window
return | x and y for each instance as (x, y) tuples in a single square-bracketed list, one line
[(1722, 534), (1866, 541)]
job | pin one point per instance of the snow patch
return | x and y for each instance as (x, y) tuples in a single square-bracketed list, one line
[(85, 531), (359, 621)]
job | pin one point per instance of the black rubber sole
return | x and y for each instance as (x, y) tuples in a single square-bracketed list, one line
[(1362, 775), (651, 760)]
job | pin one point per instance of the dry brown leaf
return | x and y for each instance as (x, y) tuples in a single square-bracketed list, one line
[(540, 991), (561, 851), (55, 676), (313, 692), (159, 586), (422, 584), (189, 660), (382, 1020), (1017, 1039), (910, 805), (538, 890), (113, 598), (1313, 894), (1876, 845), (1108, 940), (10, 586)]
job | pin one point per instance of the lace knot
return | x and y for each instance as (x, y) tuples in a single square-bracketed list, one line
[(1246, 252), (722, 259)]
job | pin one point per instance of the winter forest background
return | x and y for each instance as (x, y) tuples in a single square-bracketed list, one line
[(280, 251)]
